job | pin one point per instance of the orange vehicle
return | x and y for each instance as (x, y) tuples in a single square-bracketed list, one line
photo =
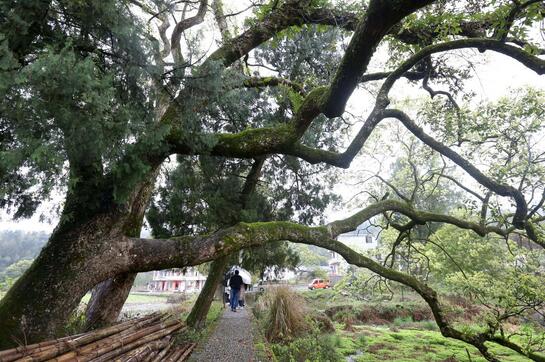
[(319, 284)]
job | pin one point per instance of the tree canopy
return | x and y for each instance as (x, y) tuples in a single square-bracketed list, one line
[(96, 96)]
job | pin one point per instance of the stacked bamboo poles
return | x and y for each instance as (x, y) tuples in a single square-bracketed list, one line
[(150, 338)]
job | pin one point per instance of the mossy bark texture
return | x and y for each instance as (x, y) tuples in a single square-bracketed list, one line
[(197, 316)]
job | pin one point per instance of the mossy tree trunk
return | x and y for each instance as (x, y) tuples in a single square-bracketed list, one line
[(39, 304), (107, 300), (197, 316), (109, 296), (84, 250)]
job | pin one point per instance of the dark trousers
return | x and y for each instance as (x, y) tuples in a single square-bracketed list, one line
[(234, 298)]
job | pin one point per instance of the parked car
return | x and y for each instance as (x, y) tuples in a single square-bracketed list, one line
[(263, 285), (319, 284)]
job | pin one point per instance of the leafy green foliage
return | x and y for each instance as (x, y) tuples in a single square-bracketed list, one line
[(13, 272), (452, 250), (502, 136), (75, 96), (296, 57), (310, 255), (18, 245), (311, 348)]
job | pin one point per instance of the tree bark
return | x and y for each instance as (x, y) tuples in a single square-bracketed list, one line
[(109, 296), (107, 300), (39, 304), (85, 249), (197, 317)]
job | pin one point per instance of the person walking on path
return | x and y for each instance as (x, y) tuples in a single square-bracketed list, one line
[(241, 295), (235, 283)]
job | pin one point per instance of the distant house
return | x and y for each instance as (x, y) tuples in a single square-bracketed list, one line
[(361, 239), (177, 280)]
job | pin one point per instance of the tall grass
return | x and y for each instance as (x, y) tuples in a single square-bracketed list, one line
[(284, 314)]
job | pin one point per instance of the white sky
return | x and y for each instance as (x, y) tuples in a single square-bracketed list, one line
[(495, 77)]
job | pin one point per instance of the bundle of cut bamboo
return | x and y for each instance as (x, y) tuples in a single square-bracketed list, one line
[(150, 338)]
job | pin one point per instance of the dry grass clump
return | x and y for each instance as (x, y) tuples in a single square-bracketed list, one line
[(284, 314)]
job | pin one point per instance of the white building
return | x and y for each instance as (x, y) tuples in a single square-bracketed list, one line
[(361, 239), (177, 280)]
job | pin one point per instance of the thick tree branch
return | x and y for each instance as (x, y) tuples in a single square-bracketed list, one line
[(290, 13), (311, 107), (251, 181), (344, 159), (520, 216), (259, 82), (189, 250), (532, 62), (183, 26), (382, 75), (379, 18), (146, 254), (283, 138)]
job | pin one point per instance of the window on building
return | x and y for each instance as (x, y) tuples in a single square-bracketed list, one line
[(368, 239)]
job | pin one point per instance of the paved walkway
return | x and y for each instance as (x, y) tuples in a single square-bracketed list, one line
[(231, 341)]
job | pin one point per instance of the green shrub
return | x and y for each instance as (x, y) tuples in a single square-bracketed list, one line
[(76, 322), (338, 310), (345, 316), (361, 341), (322, 322), (336, 340), (429, 325), (310, 348), (402, 321)]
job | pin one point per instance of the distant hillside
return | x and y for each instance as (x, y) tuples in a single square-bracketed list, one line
[(16, 245)]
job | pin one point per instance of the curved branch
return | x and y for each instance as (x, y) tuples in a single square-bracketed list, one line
[(380, 17), (146, 254), (258, 82), (283, 139), (290, 13), (531, 62), (344, 159), (520, 216), (151, 254), (183, 26)]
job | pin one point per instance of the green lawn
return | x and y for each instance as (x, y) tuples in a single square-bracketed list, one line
[(409, 345), (136, 298)]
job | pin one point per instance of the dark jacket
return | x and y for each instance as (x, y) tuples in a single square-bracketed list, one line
[(235, 282)]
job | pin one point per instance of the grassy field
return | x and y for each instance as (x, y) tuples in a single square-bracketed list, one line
[(382, 331), (410, 345), (421, 345), (136, 298)]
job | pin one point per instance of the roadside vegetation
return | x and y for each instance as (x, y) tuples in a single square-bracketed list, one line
[(330, 325)]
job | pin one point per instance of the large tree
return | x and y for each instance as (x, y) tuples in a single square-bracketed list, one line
[(97, 95)]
